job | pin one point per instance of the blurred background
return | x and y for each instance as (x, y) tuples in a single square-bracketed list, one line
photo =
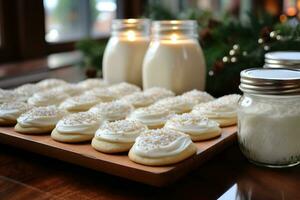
[(49, 35)]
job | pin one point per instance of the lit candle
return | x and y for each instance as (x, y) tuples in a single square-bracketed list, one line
[(174, 59), (124, 53)]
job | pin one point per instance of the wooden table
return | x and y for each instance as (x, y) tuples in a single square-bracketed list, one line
[(25, 175)]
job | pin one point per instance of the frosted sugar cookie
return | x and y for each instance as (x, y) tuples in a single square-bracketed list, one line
[(159, 93), (161, 147), (9, 96), (50, 83), (79, 103), (112, 111), (198, 127), (152, 116), (198, 96), (26, 90), (70, 89), (222, 110), (118, 136), (39, 120), (92, 83), (47, 98), (178, 104), (139, 99), (123, 89), (104, 94), (76, 127), (10, 111)]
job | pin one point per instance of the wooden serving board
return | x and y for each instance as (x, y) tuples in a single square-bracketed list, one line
[(120, 165)]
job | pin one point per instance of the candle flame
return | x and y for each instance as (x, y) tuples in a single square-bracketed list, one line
[(174, 37), (131, 35)]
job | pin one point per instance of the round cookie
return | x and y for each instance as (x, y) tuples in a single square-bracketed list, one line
[(76, 127), (112, 111), (70, 89), (118, 136), (222, 110), (47, 98), (10, 111), (139, 99), (91, 83), (9, 96), (152, 116), (159, 93), (79, 103), (50, 83), (27, 90), (197, 127), (104, 94), (161, 147), (178, 104), (123, 89), (39, 120), (198, 96)]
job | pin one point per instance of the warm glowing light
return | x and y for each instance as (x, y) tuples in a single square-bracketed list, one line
[(131, 21), (174, 37), (131, 35), (282, 18), (291, 11)]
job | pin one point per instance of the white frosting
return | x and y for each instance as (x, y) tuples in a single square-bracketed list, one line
[(80, 123), (10, 95), (161, 143), (159, 93), (12, 110), (41, 116), (178, 104), (224, 107), (92, 83), (120, 131), (192, 124), (70, 89), (112, 111), (27, 90), (124, 88), (81, 102), (104, 94), (47, 98), (50, 83), (152, 115), (198, 96), (139, 99)]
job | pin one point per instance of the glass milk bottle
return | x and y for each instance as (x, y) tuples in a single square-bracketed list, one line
[(124, 53), (174, 59)]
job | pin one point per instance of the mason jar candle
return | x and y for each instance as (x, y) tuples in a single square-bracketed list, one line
[(124, 53), (174, 59), (269, 116), (283, 59)]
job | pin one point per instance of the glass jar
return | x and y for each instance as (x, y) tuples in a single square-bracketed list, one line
[(269, 116), (174, 59), (124, 53), (282, 59)]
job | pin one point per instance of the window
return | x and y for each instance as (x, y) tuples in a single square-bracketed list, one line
[(69, 20)]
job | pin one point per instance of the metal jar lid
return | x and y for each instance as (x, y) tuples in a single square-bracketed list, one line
[(270, 81), (282, 59)]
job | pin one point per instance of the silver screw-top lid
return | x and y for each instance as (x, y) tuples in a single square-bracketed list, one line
[(282, 59), (270, 81)]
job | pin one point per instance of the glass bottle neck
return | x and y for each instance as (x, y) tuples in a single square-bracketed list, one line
[(175, 30), (131, 28)]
